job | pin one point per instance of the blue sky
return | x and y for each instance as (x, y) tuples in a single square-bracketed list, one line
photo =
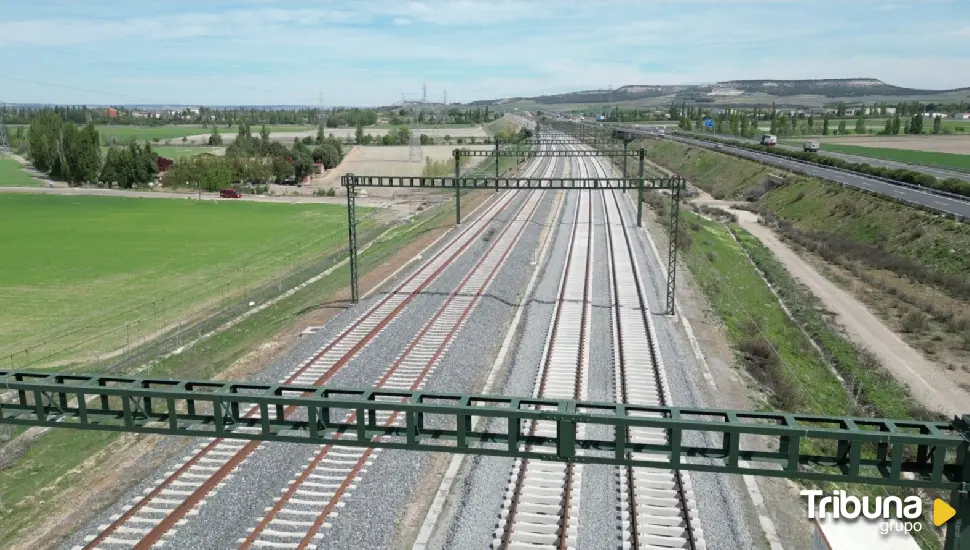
[(215, 52)]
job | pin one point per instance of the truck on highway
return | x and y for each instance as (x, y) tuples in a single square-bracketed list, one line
[(810, 147), (769, 140)]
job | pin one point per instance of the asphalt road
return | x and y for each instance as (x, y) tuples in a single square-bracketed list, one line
[(936, 202), (941, 173)]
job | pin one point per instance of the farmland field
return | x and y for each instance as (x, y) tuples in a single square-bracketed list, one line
[(950, 160), (180, 152), (81, 267), (13, 175), (956, 144)]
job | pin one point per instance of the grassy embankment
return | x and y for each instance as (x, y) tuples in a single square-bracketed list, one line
[(906, 264), (88, 265), (13, 175), (49, 467), (728, 264)]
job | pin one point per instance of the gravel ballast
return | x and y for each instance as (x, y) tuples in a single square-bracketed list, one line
[(235, 506)]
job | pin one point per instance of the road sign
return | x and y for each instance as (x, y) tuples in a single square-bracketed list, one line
[(709, 122)]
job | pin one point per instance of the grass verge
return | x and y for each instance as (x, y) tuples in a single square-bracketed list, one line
[(12, 174), (791, 357)]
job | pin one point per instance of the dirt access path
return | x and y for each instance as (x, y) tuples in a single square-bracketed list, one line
[(926, 380)]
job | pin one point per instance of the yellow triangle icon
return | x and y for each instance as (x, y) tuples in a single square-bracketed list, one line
[(942, 512)]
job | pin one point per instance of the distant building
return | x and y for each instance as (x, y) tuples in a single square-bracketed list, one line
[(963, 116), (111, 113), (934, 115)]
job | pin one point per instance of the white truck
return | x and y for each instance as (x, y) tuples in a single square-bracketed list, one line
[(810, 147), (769, 140)]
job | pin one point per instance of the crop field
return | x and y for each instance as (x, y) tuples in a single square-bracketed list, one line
[(180, 152), (951, 160), (958, 145), (91, 275), (13, 175)]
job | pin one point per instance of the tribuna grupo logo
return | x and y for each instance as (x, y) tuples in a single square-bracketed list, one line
[(893, 513)]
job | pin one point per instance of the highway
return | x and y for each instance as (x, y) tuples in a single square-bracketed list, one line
[(593, 328), (931, 201), (941, 173)]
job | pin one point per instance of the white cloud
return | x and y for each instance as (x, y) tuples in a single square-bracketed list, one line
[(367, 52)]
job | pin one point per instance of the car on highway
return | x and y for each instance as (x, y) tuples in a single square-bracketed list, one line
[(719, 146), (229, 194)]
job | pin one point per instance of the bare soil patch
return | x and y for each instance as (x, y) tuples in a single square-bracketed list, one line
[(937, 144)]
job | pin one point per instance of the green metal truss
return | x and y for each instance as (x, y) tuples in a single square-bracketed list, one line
[(899, 453), (838, 449), (553, 153), (546, 184)]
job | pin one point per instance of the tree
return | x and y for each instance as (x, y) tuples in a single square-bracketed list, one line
[(264, 135), (825, 126), (916, 124), (43, 141), (896, 124), (811, 122), (216, 138), (302, 164), (860, 125), (937, 124), (359, 134), (888, 130), (841, 127)]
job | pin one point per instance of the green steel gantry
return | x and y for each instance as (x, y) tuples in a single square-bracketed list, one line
[(599, 137), (898, 453), (351, 182)]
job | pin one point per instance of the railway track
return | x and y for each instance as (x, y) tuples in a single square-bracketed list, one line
[(149, 519), (541, 505), (297, 517), (657, 507)]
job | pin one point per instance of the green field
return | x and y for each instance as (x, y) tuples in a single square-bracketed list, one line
[(94, 264), (13, 175), (123, 133), (950, 160), (179, 152)]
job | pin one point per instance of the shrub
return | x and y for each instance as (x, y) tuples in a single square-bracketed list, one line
[(914, 321)]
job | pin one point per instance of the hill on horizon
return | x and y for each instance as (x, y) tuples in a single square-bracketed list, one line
[(821, 88)]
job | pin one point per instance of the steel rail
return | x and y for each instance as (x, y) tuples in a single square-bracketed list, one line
[(339, 351)]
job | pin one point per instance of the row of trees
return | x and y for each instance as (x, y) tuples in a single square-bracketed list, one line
[(64, 151)]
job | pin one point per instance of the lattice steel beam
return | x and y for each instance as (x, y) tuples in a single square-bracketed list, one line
[(837, 449), (351, 180), (555, 153)]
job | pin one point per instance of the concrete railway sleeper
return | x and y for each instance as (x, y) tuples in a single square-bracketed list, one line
[(297, 517), (181, 492), (541, 505), (657, 507)]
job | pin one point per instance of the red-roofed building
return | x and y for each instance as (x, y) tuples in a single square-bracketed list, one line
[(112, 113)]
